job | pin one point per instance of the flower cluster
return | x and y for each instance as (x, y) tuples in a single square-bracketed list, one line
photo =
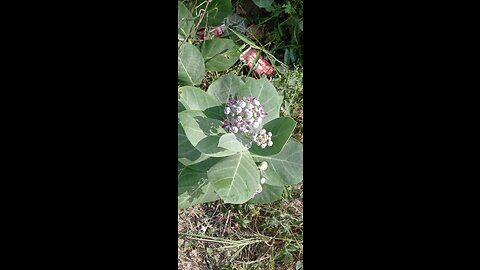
[(244, 115), (263, 138)]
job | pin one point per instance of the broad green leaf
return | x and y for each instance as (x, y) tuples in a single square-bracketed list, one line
[(272, 178), (194, 98), (219, 54), (216, 112), (185, 20), (286, 165), (181, 108), (191, 68), (194, 187), (263, 3), (217, 11), (232, 142), (203, 133), (224, 86), (264, 92), (235, 178), (187, 154), (269, 194), (281, 129)]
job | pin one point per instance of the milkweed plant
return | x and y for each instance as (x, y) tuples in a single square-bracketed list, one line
[(233, 145)]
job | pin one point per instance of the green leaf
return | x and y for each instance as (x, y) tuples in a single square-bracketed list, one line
[(286, 57), (263, 3), (194, 187), (194, 98), (187, 154), (204, 133), (286, 167), (185, 20), (224, 86), (181, 108), (231, 141), (244, 39), (191, 68), (269, 194), (264, 92), (281, 128), (217, 11), (235, 178), (219, 54)]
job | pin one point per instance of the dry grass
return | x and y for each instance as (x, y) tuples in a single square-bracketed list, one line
[(223, 236)]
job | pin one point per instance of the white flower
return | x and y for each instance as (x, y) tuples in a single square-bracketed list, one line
[(256, 124), (239, 110), (263, 131), (263, 166), (239, 118), (263, 145), (257, 103), (227, 110), (235, 129), (263, 180), (269, 134), (270, 143), (242, 104)]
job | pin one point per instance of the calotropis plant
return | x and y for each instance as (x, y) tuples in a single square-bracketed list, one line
[(233, 145)]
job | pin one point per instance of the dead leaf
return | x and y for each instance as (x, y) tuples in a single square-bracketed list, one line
[(256, 31)]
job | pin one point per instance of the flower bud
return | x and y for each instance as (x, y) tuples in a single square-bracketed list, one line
[(263, 166)]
